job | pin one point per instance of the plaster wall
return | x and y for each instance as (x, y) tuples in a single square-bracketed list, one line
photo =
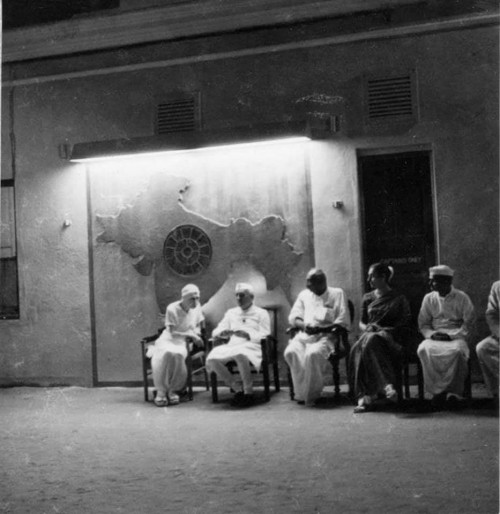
[(458, 99), (228, 194)]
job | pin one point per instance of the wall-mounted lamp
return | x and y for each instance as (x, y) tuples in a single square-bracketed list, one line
[(188, 141)]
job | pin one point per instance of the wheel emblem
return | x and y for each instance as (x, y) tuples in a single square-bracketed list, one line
[(187, 250)]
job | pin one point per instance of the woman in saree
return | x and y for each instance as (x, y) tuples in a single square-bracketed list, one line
[(385, 325)]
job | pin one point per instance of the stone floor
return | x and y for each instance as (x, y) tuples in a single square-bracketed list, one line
[(75, 450)]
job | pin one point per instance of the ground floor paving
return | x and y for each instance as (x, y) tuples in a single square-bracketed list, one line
[(75, 450)]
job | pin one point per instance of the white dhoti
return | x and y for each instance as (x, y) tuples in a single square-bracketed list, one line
[(307, 358), (445, 365), (168, 363), (487, 353), (243, 352)]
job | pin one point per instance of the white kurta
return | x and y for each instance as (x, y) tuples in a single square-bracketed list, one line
[(488, 349), (306, 355), (445, 363), (168, 355), (256, 323)]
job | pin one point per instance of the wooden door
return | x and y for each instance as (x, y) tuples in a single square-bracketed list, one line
[(397, 220)]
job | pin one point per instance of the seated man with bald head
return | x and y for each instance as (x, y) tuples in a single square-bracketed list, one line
[(319, 312), (243, 326)]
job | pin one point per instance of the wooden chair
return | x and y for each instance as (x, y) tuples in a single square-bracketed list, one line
[(195, 363), (269, 345), (335, 363), (408, 359)]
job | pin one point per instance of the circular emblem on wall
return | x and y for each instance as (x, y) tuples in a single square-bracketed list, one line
[(187, 250)]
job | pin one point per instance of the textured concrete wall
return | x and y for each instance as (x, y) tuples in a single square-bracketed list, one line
[(51, 343)]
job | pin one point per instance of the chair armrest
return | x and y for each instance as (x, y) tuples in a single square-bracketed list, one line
[(342, 332), (293, 331), (195, 350), (216, 341), (150, 339)]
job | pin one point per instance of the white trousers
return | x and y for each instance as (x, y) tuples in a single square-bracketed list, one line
[(240, 351), (445, 365), (168, 364), (308, 363), (487, 353)]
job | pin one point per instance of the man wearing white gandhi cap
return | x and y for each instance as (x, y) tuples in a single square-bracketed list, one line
[(244, 327), (446, 320), (183, 320)]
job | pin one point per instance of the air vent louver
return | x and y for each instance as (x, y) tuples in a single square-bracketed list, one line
[(390, 97), (179, 115)]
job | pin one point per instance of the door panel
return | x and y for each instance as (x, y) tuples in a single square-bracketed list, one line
[(398, 228)]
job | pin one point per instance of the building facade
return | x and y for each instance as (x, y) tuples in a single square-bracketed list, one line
[(93, 252)]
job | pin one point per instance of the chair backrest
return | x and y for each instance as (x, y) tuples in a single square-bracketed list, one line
[(273, 315), (350, 306)]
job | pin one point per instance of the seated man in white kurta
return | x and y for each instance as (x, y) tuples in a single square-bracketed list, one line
[(446, 320), (244, 327), (487, 350), (183, 320), (318, 313)]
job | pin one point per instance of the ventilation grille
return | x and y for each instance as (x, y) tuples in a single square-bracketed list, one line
[(390, 97), (178, 115)]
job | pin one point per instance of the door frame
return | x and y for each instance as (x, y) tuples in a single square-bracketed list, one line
[(389, 151)]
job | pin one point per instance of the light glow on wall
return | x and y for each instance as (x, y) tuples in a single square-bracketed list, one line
[(217, 148)]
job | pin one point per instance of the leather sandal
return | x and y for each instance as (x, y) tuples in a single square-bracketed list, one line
[(160, 401), (173, 399)]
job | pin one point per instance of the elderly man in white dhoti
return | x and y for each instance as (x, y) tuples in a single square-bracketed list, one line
[(183, 320), (319, 313), (243, 327), (446, 320), (488, 349)]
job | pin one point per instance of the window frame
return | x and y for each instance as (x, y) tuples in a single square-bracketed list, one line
[(13, 311)]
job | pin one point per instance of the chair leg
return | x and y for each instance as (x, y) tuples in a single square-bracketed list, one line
[(276, 375), (290, 384), (213, 380), (406, 379), (144, 372), (265, 376), (468, 382), (399, 384), (207, 382), (420, 380), (350, 391), (189, 365), (336, 378)]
